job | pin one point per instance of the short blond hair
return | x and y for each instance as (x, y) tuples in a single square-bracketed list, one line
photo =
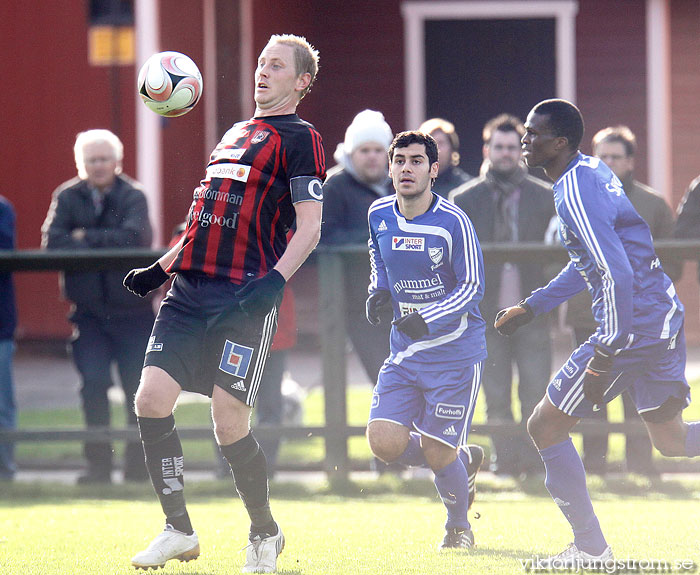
[(91, 137), (305, 56)]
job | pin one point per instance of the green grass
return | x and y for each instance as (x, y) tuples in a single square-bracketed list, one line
[(65, 533), (296, 451)]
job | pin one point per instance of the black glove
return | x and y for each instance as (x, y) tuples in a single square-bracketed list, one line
[(510, 319), (413, 325), (376, 302), (143, 280), (596, 378), (258, 297)]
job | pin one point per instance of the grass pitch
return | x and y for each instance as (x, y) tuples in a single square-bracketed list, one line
[(66, 532), (297, 451)]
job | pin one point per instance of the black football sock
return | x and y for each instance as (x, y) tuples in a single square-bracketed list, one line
[(249, 468), (164, 461)]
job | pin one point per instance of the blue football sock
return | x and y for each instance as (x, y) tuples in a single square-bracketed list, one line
[(413, 455), (451, 483), (692, 440), (566, 483)]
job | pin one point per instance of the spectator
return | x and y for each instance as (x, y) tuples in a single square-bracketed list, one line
[(617, 146), (361, 176), (688, 222), (103, 208), (8, 322), (450, 175), (506, 204)]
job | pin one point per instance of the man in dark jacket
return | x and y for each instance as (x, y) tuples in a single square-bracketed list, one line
[(508, 205), (102, 208), (688, 222), (8, 323), (360, 177)]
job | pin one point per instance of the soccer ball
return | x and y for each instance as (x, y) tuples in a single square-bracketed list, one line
[(170, 84)]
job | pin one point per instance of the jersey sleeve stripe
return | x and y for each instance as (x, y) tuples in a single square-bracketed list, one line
[(666, 330), (572, 198), (319, 158), (374, 249), (469, 288), (469, 240)]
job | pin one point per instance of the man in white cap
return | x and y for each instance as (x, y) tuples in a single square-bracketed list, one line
[(360, 177)]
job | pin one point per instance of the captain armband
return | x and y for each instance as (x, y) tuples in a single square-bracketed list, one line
[(306, 188)]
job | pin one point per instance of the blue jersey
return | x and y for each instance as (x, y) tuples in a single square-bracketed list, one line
[(431, 264), (612, 255)]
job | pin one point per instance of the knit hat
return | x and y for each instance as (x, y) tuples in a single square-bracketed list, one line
[(367, 126)]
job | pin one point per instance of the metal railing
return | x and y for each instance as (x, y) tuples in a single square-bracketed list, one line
[(332, 283)]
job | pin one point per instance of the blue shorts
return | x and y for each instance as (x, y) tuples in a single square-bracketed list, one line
[(437, 404), (202, 338), (652, 370)]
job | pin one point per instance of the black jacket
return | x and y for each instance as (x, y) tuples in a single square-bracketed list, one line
[(449, 180), (123, 223), (345, 205), (688, 222), (535, 210), (8, 309)]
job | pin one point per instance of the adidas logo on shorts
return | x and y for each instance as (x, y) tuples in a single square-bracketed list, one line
[(238, 385), (450, 431)]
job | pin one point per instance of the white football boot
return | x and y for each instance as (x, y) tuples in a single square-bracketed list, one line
[(573, 558), (168, 544), (262, 552)]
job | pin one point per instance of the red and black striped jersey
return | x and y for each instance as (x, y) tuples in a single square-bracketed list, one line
[(241, 211)]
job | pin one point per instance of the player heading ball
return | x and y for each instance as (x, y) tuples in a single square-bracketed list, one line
[(214, 328)]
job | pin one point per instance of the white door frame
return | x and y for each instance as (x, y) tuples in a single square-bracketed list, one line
[(415, 14)]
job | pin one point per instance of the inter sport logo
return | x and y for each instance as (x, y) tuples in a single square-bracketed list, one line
[(407, 244)]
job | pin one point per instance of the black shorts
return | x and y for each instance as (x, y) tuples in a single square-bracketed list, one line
[(202, 338)]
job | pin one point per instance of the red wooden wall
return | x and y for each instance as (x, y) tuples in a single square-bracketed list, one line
[(55, 93)]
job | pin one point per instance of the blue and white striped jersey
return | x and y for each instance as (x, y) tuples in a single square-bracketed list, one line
[(612, 254), (431, 264)]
